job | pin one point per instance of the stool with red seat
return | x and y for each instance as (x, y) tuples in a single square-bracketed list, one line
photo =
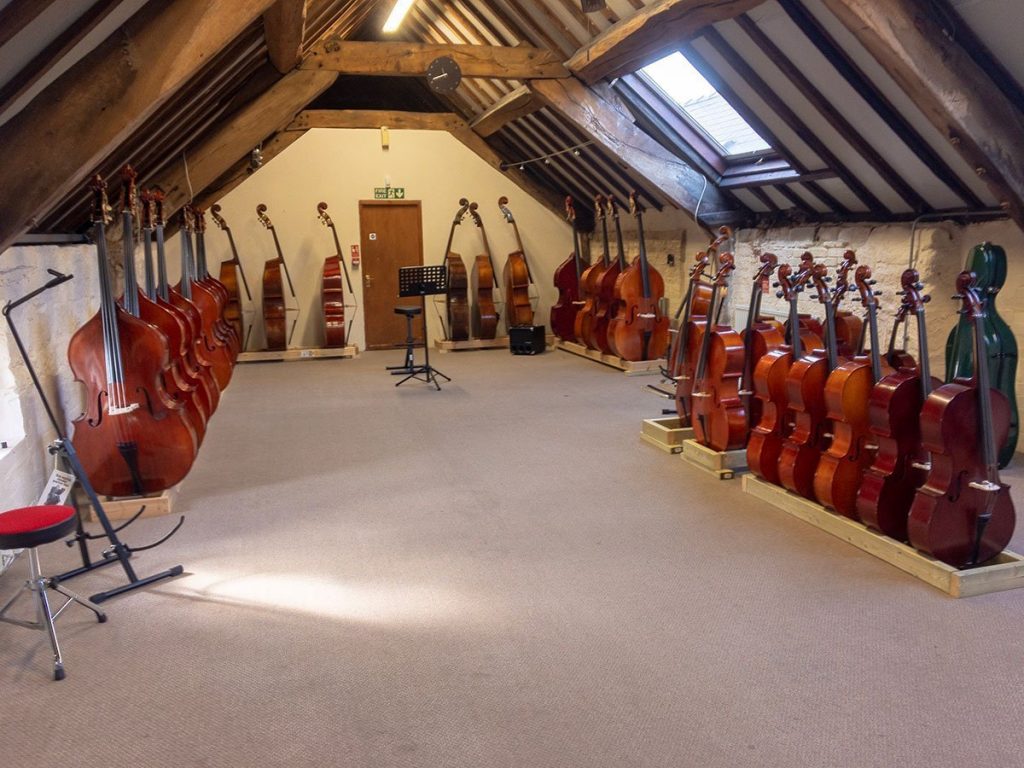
[(27, 528)]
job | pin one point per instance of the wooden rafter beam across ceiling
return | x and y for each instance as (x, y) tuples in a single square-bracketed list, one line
[(607, 122), (284, 25), (67, 130), (351, 57), (648, 35), (956, 95), (264, 116), (18, 14), (428, 121), (512, 106)]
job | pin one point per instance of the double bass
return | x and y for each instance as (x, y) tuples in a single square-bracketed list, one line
[(639, 329), (133, 439), (275, 317), (606, 302), (988, 263), (894, 408), (583, 325), (515, 277), (485, 314), (230, 271), (216, 289), (332, 293), (770, 432), (963, 515), (456, 300), (567, 280), (847, 392)]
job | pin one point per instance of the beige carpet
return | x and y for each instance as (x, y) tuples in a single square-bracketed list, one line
[(500, 574)]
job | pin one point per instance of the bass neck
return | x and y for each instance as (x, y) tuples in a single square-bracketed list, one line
[(282, 262), (983, 383), (344, 266), (644, 269), (831, 348), (923, 365)]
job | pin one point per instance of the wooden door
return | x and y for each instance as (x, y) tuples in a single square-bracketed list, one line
[(391, 236)]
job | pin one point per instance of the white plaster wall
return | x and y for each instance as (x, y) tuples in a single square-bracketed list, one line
[(342, 167)]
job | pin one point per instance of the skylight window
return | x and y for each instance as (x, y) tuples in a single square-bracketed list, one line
[(705, 107)]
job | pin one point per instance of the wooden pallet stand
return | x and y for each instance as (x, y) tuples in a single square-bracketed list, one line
[(1005, 571), (290, 355), (666, 434), (122, 508), (458, 346), (725, 465), (630, 368)]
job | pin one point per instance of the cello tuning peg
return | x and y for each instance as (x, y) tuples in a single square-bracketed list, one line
[(901, 293), (872, 282), (876, 293), (778, 294), (919, 286), (775, 285), (926, 299), (827, 278)]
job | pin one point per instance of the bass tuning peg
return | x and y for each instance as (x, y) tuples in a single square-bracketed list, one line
[(778, 294)]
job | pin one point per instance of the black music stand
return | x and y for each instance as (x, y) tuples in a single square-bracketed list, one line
[(422, 281)]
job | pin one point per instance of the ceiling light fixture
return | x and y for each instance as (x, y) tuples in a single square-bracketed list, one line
[(397, 14)]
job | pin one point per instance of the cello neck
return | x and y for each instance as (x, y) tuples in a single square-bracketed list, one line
[(876, 356), (599, 210), (186, 259), (794, 327)]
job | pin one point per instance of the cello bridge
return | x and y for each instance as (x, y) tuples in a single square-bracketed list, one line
[(984, 485), (120, 410), (647, 315), (923, 465)]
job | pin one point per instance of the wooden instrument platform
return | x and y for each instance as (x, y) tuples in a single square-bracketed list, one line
[(725, 465), (501, 342), (122, 508), (630, 368), (1005, 571), (289, 355), (666, 434)]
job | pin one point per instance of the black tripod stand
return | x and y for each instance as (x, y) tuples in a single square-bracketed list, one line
[(422, 282), (118, 551)]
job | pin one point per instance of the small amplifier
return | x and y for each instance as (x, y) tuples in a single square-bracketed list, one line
[(527, 339)]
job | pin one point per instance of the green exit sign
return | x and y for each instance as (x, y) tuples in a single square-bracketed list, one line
[(389, 193)]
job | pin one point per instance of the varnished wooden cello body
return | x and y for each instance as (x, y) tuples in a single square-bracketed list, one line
[(456, 300), (681, 362), (485, 313), (759, 338), (133, 438), (515, 277), (770, 432), (230, 271), (590, 280), (988, 263), (567, 279), (963, 515), (332, 292), (894, 407), (639, 330), (275, 311), (847, 392)]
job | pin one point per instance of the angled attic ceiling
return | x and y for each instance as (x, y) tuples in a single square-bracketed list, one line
[(876, 110)]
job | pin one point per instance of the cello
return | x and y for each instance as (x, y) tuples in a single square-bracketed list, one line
[(963, 515), (769, 434), (332, 293), (606, 302), (199, 296), (275, 322), (230, 271), (516, 277), (133, 439), (485, 314), (567, 281), (184, 310), (456, 302), (847, 391), (583, 325), (759, 338), (894, 407), (988, 263), (805, 394), (179, 382), (639, 329)]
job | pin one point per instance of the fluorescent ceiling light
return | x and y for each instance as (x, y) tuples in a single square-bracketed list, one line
[(397, 14)]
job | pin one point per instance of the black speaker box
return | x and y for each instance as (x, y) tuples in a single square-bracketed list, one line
[(527, 339)]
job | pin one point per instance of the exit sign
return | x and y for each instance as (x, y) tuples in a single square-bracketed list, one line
[(389, 193)]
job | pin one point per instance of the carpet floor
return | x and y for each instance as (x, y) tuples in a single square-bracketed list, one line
[(499, 574)]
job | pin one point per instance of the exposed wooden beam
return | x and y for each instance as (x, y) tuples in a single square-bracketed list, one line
[(426, 121), (270, 112), (607, 122), (650, 34), (241, 170), (412, 59), (18, 14), (948, 87), (511, 107), (69, 128), (284, 25)]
